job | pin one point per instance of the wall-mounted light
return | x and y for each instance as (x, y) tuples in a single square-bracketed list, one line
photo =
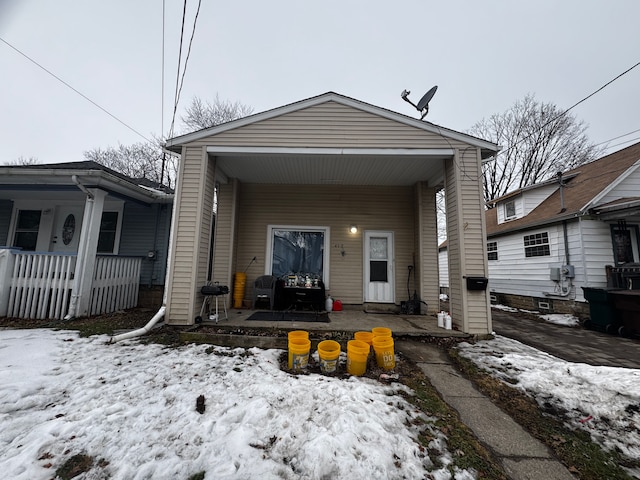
[(353, 229)]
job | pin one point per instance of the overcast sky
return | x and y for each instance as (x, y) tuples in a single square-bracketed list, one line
[(482, 55)]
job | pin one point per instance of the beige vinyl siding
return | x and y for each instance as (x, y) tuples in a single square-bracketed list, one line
[(467, 246), (336, 207), (329, 125), (187, 273)]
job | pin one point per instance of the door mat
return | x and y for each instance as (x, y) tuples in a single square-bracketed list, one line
[(290, 317)]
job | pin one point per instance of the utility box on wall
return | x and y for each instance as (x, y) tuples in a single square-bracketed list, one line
[(568, 271), (554, 274)]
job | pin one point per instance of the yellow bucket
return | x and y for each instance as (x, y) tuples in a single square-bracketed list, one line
[(363, 336), (238, 289), (385, 355), (357, 354), (329, 353), (298, 353), (381, 332), (303, 334)]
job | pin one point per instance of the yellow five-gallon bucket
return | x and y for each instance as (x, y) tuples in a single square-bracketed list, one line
[(381, 332), (363, 336), (357, 354), (299, 353), (329, 353), (385, 355), (238, 289)]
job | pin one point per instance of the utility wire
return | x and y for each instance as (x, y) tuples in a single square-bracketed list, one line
[(75, 90), (569, 109), (180, 82), (175, 95)]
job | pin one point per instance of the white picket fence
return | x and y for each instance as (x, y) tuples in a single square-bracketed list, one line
[(115, 284), (40, 284)]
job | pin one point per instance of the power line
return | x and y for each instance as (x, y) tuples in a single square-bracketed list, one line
[(561, 114), (180, 79), (75, 90)]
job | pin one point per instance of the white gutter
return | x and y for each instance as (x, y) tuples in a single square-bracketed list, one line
[(141, 331), (160, 313)]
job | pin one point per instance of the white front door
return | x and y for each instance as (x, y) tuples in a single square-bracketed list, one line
[(379, 285), (67, 224)]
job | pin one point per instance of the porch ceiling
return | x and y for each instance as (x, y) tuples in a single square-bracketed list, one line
[(332, 169)]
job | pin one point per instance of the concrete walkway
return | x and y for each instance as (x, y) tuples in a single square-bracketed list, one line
[(522, 456)]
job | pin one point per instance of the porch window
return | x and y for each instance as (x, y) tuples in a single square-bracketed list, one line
[(536, 245), (108, 229), (492, 250), (299, 250), (27, 227)]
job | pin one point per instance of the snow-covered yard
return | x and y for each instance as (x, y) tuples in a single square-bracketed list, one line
[(133, 406)]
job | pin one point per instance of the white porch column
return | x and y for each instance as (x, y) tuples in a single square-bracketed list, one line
[(87, 249)]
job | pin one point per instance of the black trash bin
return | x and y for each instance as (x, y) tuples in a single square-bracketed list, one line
[(603, 315)]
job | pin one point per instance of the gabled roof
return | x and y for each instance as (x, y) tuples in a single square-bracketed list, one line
[(586, 184), (59, 177), (488, 149)]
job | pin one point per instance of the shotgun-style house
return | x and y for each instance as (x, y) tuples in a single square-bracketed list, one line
[(80, 239), (335, 191), (581, 229)]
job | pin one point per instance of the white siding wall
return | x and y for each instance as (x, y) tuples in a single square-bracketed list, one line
[(534, 197), (443, 268), (629, 187)]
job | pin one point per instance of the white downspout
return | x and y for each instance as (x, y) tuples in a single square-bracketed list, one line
[(160, 313)]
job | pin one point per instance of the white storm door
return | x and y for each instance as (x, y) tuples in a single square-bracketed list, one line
[(67, 224), (379, 285)]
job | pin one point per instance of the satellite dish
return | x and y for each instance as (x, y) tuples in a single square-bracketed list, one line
[(423, 104)]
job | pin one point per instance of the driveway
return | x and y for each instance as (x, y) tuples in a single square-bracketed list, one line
[(571, 344)]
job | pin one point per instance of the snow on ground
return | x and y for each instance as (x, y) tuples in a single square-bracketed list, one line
[(133, 406), (604, 401), (564, 319)]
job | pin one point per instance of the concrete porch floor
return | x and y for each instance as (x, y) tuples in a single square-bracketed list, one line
[(350, 319)]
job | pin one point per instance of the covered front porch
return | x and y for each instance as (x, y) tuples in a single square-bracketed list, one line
[(288, 185)]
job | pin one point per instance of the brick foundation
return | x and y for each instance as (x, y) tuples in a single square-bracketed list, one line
[(542, 304)]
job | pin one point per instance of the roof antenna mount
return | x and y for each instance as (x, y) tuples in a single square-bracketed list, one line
[(423, 105)]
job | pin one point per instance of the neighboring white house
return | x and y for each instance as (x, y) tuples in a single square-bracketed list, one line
[(546, 241)]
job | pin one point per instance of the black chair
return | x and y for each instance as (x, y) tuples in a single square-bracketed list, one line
[(264, 287)]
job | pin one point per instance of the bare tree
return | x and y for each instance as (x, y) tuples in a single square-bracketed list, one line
[(138, 160), (538, 141), (199, 114), (148, 160), (23, 161)]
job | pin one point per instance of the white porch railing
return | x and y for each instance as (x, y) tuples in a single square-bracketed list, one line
[(115, 284), (40, 284)]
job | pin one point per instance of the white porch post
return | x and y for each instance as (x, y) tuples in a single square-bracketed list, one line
[(87, 248)]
